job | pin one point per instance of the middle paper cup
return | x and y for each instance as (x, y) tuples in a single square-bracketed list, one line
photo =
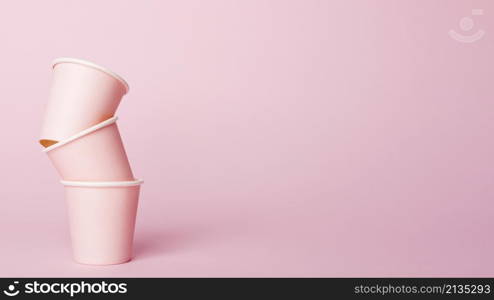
[(94, 154)]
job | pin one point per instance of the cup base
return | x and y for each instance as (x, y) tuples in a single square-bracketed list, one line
[(100, 263)]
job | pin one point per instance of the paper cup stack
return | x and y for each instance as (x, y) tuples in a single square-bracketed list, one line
[(81, 138)]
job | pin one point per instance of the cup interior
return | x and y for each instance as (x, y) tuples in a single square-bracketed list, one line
[(52, 144), (47, 143)]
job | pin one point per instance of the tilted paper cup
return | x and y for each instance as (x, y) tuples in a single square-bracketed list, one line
[(94, 154), (102, 220), (82, 94)]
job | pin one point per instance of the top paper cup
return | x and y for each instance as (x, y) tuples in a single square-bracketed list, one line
[(82, 94)]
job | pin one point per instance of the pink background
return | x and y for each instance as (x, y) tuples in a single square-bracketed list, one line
[(276, 138)]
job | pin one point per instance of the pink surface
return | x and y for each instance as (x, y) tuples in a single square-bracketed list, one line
[(276, 138)]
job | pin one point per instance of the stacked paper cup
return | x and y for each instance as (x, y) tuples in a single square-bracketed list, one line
[(81, 138)]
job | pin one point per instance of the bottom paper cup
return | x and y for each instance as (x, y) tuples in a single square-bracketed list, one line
[(102, 220)]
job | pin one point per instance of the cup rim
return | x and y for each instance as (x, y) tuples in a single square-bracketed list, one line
[(82, 133), (102, 183), (91, 65)]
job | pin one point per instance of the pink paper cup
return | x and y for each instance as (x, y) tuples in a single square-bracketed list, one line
[(94, 154), (102, 220), (82, 94)]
